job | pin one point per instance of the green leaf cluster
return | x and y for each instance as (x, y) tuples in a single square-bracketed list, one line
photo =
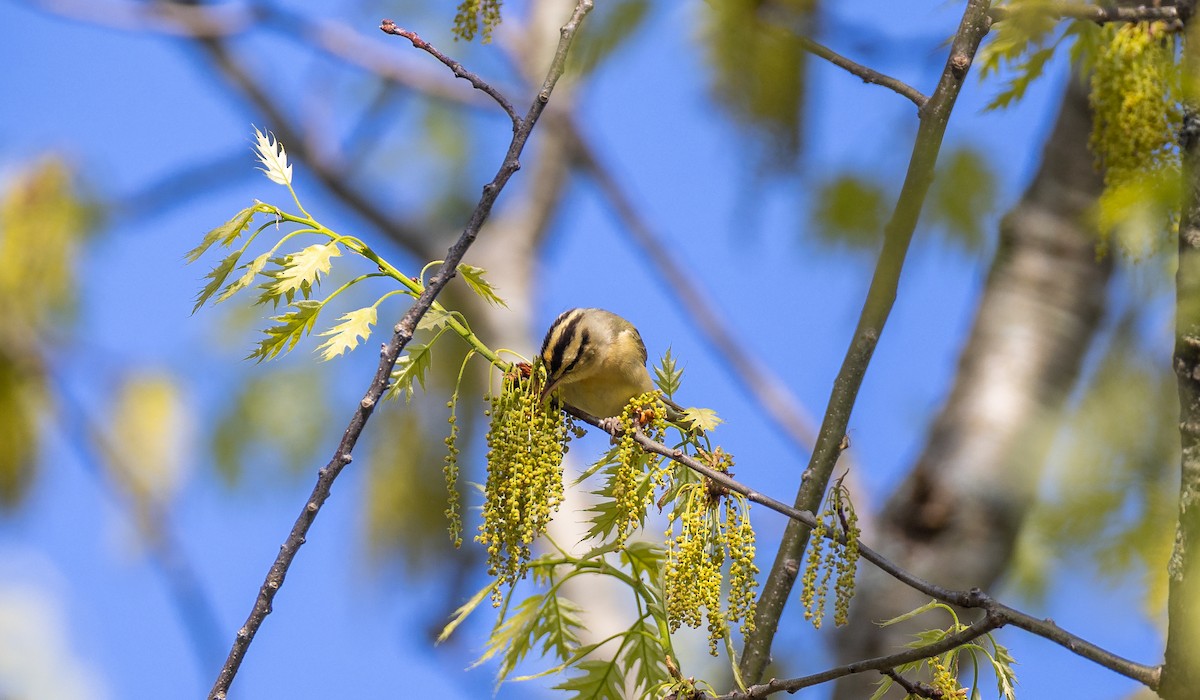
[(293, 273), (944, 668), (549, 624)]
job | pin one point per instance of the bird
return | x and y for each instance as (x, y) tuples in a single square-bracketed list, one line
[(596, 361)]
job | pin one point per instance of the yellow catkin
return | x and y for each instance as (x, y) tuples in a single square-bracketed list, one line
[(714, 526), (526, 442)]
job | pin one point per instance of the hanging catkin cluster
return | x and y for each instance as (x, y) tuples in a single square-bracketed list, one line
[(1134, 85), (526, 442), (707, 536)]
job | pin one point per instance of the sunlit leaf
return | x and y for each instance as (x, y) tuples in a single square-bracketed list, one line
[(644, 657), (599, 680), (667, 374), (1002, 665), (273, 158), (225, 234), (291, 326), (216, 277), (433, 320), (706, 419), (345, 336), (410, 367), (466, 609), (474, 278), (547, 619), (252, 268), (302, 271)]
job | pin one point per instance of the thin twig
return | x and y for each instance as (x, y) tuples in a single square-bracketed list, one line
[(868, 75), (478, 83), (915, 688), (934, 116), (391, 351)]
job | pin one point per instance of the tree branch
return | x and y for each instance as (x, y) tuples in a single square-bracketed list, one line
[(389, 27), (1100, 14), (868, 75), (881, 663), (1181, 675), (934, 116), (391, 351), (972, 599)]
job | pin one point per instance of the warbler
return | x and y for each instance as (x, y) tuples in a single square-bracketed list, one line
[(596, 360)]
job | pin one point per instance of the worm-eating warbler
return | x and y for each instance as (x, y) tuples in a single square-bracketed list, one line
[(596, 360)]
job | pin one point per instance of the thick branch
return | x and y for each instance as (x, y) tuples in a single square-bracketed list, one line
[(391, 351), (1181, 673), (935, 115)]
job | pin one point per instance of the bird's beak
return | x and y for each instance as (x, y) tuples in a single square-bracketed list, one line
[(548, 388)]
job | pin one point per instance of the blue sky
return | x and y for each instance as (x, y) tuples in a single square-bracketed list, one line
[(128, 110)]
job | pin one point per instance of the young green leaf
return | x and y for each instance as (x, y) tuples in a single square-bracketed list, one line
[(410, 367), (225, 234), (667, 375), (601, 680), (252, 268), (1002, 664), (644, 654), (344, 336), (216, 278), (433, 320), (705, 419), (544, 618), (466, 609), (302, 270), (473, 276), (292, 325)]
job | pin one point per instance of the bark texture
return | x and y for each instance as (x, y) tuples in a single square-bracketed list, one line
[(955, 518)]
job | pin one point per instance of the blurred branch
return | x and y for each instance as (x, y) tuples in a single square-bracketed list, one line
[(881, 295), (151, 521), (756, 379), (391, 351), (1100, 14), (174, 19)]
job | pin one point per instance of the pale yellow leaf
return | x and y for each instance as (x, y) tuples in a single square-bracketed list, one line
[(345, 336)]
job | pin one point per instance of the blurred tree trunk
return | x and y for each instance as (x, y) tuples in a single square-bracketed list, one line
[(955, 518)]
